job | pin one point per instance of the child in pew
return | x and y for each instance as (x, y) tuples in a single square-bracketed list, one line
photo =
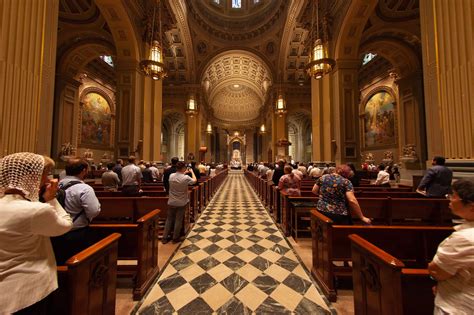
[(27, 265), (453, 264)]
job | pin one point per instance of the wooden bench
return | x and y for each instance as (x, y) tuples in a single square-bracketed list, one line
[(330, 243), (87, 282), (383, 285), (139, 242), (385, 211)]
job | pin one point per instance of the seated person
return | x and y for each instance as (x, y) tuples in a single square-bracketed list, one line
[(290, 183), (453, 264), (383, 177)]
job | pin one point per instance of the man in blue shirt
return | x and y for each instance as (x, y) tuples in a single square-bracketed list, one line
[(437, 180), (82, 205)]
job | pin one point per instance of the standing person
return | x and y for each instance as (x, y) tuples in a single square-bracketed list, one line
[(290, 183), (155, 173), (383, 177), (278, 172), (335, 195), (166, 174), (131, 178), (147, 174), (453, 264), (195, 170), (110, 179), (82, 205), (118, 168), (437, 180), (178, 201), (353, 177), (27, 267)]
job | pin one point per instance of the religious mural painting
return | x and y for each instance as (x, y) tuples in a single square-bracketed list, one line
[(379, 120), (96, 120)]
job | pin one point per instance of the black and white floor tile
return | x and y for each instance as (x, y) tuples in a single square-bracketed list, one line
[(234, 261)]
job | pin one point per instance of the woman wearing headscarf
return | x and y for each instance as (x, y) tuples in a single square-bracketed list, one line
[(27, 264), (336, 196)]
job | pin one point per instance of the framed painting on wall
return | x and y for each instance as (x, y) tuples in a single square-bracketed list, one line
[(379, 120), (96, 120)]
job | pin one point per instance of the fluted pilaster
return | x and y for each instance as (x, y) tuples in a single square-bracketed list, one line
[(27, 64)]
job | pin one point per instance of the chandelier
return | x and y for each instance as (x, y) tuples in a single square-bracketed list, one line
[(262, 129), (280, 105), (320, 63), (153, 66), (191, 106), (209, 128)]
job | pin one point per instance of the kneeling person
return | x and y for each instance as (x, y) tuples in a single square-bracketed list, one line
[(178, 201)]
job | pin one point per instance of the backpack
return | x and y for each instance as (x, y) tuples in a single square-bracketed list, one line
[(61, 195)]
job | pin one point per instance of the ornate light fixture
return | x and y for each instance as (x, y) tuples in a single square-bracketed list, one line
[(153, 66), (320, 63), (280, 105), (209, 128), (191, 106), (262, 129)]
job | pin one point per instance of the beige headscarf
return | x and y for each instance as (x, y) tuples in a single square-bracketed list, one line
[(22, 171)]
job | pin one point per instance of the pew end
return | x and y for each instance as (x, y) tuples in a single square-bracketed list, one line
[(382, 284), (87, 282)]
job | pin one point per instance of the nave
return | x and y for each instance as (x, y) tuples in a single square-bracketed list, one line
[(234, 261)]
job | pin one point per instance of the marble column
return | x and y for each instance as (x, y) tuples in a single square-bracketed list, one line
[(152, 117), (345, 142), (410, 97), (129, 96), (66, 111), (279, 132), (322, 118), (27, 67), (192, 133), (448, 57)]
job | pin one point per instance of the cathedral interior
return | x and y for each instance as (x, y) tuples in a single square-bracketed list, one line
[(239, 82), (400, 86)]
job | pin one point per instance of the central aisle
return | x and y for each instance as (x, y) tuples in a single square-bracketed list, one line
[(234, 261)]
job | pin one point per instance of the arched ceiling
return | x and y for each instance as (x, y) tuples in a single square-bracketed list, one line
[(236, 84), (227, 23)]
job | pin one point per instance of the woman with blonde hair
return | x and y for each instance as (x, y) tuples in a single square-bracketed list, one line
[(27, 264)]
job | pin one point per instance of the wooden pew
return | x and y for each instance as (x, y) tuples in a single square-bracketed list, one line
[(383, 285), (139, 242), (331, 244), (87, 282)]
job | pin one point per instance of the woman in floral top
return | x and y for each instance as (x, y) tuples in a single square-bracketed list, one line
[(335, 195), (290, 183)]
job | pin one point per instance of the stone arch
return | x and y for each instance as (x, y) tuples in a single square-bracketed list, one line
[(173, 131), (299, 126), (78, 56), (403, 59), (125, 36), (350, 34)]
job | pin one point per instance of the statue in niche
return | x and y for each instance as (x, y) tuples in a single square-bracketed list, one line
[(88, 155), (369, 158), (409, 153), (388, 157), (67, 150)]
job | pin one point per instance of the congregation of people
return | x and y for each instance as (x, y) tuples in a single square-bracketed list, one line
[(40, 229)]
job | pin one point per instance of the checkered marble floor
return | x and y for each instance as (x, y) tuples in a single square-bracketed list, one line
[(234, 261)]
